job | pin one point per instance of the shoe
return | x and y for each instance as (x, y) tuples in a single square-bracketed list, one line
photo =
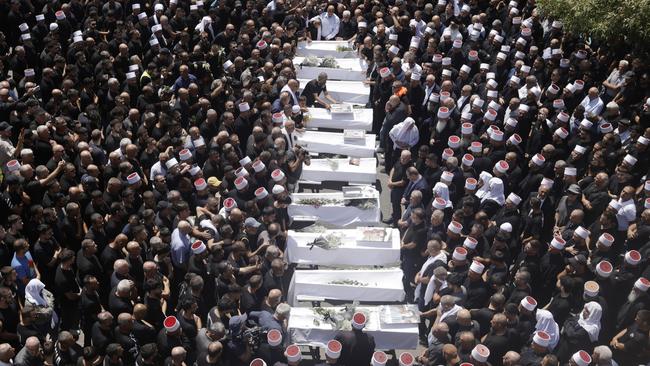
[(388, 221), (424, 342), (379, 150)]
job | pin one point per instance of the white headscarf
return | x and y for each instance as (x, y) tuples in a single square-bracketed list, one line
[(592, 323), (33, 292), (203, 23), (484, 177), (495, 191), (546, 323), (441, 190), (451, 312), (406, 132)]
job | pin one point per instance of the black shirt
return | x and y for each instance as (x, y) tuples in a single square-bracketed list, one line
[(89, 266), (65, 281), (312, 88), (118, 305), (498, 345)]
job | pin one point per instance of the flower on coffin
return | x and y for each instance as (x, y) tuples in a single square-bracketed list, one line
[(310, 61), (339, 319), (334, 165), (330, 63), (342, 48), (362, 203), (348, 283), (317, 202), (327, 242)]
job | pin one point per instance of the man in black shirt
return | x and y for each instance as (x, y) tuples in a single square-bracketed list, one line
[(498, 340), (119, 301), (397, 182), (412, 251), (89, 306), (124, 338), (67, 290), (87, 261), (251, 296), (46, 254), (312, 92), (8, 317), (631, 344), (102, 332)]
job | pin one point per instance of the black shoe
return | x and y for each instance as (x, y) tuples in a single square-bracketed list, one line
[(424, 342), (388, 221)]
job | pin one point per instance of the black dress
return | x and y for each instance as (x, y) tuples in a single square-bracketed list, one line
[(572, 339)]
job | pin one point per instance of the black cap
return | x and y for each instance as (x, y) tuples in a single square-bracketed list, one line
[(4, 126), (42, 228), (13, 179)]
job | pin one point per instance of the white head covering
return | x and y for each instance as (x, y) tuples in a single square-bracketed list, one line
[(204, 22), (495, 191), (546, 323), (592, 323), (406, 131), (441, 190), (485, 178), (33, 292)]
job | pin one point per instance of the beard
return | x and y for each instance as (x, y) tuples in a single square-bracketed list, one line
[(632, 296), (440, 125)]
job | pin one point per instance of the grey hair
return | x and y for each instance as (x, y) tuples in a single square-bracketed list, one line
[(124, 286), (283, 310), (604, 353)]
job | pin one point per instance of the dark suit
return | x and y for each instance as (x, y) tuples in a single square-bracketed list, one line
[(358, 348), (420, 185), (393, 117)]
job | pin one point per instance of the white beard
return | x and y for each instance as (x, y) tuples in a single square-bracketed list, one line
[(632, 296), (441, 126)]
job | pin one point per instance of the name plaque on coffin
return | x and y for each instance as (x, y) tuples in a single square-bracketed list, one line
[(342, 110), (377, 237), (354, 137)]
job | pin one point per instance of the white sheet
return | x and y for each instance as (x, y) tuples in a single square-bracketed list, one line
[(383, 285), (344, 91), (321, 170), (324, 49), (303, 331), (349, 253), (336, 215), (333, 143), (350, 69), (322, 118)]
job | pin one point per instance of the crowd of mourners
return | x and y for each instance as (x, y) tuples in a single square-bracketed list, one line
[(148, 153)]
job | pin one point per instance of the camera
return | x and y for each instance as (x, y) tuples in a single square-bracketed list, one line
[(303, 153), (251, 337)]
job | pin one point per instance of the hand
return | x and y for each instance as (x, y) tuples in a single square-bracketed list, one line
[(432, 142), (328, 107)]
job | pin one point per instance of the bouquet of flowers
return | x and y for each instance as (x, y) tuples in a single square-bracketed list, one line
[(317, 202), (342, 48), (339, 319), (362, 203), (310, 61), (327, 242), (330, 63)]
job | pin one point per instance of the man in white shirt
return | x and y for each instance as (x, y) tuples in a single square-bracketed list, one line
[(329, 24), (627, 212), (180, 245), (592, 102)]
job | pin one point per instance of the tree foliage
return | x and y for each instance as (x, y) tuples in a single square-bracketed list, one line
[(606, 20)]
